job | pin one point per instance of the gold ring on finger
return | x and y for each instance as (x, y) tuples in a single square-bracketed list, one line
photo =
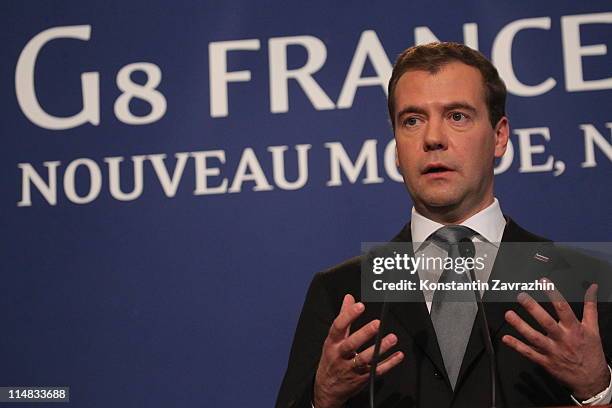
[(358, 365)]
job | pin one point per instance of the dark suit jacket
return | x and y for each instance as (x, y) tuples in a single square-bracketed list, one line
[(420, 379)]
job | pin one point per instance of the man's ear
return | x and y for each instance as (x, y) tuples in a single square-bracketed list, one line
[(397, 159), (502, 134)]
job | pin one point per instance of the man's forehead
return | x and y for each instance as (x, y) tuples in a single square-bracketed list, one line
[(451, 80)]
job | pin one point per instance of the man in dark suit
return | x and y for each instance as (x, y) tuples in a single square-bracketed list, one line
[(447, 107)]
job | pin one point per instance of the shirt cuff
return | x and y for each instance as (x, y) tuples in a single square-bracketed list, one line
[(602, 398)]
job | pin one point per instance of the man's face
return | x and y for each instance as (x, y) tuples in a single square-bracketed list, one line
[(445, 142)]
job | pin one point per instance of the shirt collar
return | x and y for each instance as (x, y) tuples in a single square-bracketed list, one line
[(488, 223)]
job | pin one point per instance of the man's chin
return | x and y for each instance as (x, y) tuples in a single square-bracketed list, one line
[(439, 204), (440, 201), (441, 207)]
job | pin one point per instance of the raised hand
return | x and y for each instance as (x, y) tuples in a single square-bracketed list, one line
[(571, 350), (342, 372)]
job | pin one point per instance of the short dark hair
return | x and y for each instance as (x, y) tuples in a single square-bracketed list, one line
[(434, 56)]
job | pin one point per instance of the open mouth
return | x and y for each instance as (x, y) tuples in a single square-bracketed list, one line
[(436, 168)]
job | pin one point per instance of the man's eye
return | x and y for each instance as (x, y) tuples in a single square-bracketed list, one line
[(411, 121), (458, 116)]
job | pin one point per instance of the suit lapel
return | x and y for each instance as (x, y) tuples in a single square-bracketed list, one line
[(414, 317), (515, 263)]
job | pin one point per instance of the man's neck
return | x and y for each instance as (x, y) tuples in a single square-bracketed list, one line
[(450, 215), (488, 223)]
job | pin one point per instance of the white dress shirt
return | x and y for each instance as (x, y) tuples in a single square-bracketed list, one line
[(489, 225)]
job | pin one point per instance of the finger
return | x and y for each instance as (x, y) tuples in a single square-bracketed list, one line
[(589, 313), (347, 302), (355, 340), (386, 343), (534, 337), (524, 349), (549, 324), (390, 362), (564, 312), (342, 323)]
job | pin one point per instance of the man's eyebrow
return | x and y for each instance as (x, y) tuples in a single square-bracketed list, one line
[(411, 109), (459, 105)]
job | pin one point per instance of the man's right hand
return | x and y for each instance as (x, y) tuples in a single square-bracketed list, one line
[(342, 373)]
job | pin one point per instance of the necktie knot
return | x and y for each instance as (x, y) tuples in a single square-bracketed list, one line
[(453, 234)]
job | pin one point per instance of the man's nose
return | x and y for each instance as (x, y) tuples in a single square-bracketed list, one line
[(435, 136)]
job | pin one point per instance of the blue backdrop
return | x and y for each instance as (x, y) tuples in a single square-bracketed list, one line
[(157, 237)]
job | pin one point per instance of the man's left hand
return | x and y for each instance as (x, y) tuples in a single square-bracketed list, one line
[(571, 350)]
